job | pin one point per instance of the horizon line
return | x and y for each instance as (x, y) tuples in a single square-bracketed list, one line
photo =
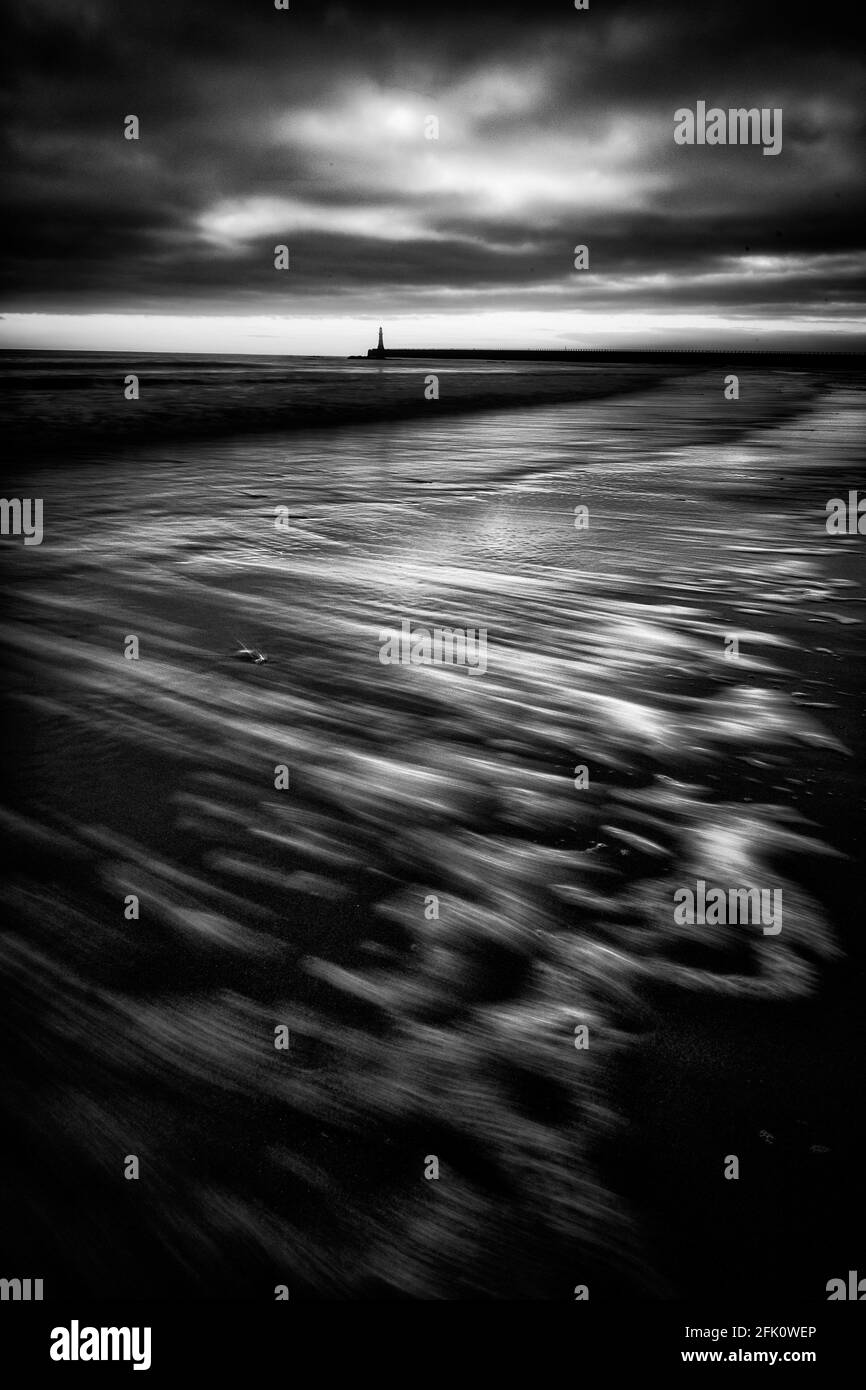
[(785, 351)]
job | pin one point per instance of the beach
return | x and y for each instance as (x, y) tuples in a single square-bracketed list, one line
[(304, 508)]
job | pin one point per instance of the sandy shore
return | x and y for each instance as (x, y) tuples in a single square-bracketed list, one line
[(451, 1036)]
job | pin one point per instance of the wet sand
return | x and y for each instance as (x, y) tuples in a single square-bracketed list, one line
[(454, 1037)]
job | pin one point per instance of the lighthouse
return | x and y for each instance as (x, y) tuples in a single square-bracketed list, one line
[(379, 349)]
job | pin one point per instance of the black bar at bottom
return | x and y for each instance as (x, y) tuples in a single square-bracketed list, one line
[(295, 1338)]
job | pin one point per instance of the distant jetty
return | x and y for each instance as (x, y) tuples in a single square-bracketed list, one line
[(765, 357)]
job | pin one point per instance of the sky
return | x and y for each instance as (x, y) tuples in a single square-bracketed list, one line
[(311, 128)]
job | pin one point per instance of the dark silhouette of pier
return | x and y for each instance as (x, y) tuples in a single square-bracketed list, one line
[(769, 358)]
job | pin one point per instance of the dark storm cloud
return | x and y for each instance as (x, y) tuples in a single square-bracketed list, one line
[(307, 127)]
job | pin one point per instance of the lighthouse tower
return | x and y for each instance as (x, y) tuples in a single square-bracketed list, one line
[(379, 349)]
